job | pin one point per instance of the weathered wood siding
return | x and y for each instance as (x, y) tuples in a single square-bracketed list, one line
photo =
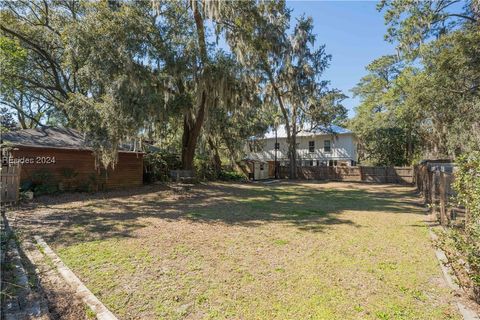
[(128, 171)]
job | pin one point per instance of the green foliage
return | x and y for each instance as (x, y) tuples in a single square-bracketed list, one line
[(385, 136), (204, 168), (26, 185), (43, 182), (467, 186), (92, 183), (386, 146), (24, 84), (436, 103), (231, 176), (7, 121), (12, 59), (68, 173), (292, 66), (128, 70), (413, 22), (157, 165), (447, 92), (90, 314), (68, 178), (82, 66)]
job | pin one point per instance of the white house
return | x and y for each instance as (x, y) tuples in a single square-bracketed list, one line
[(314, 148)]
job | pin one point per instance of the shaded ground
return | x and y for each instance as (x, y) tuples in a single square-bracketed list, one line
[(250, 251), (31, 286)]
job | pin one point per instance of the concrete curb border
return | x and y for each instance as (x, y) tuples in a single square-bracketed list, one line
[(25, 304), (450, 278), (81, 290)]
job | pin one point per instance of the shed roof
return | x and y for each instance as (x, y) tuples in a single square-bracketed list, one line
[(53, 137)]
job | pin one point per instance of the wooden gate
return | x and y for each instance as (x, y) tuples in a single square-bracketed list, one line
[(9, 184)]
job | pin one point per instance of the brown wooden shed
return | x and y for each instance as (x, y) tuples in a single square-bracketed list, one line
[(67, 158)]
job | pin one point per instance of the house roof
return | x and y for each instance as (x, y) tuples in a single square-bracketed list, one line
[(282, 133), (53, 137)]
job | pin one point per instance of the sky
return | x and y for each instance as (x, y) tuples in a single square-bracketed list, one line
[(353, 32)]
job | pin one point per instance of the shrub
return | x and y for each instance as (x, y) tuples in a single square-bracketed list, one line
[(68, 175), (43, 182), (467, 186), (204, 168), (231, 176), (93, 183), (157, 165), (26, 186)]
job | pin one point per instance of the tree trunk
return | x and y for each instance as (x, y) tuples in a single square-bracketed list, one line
[(217, 162), (21, 120), (192, 127), (293, 147), (191, 132), (188, 146), (292, 157), (291, 135)]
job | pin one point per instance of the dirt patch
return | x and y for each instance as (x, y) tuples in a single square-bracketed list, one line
[(62, 302), (49, 287)]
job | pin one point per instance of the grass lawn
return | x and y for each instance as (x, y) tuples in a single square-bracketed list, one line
[(252, 251)]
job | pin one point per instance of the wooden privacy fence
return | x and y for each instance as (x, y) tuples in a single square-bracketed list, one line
[(435, 180), (402, 175), (9, 184)]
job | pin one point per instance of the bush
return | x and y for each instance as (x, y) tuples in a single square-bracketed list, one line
[(467, 186), (26, 186), (43, 182), (92, 183), (157, 165), (204, 169), (231, 176), (68, 175)]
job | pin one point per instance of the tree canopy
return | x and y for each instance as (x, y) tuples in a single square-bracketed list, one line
[(424, 101), (156, 71)]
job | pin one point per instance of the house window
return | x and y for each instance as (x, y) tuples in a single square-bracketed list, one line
[(330, 163), (262, 166), (311, 146), (311, 163), (277, 145), (326, 146)]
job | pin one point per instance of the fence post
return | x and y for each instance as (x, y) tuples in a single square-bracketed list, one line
[(433, 192), (444, 220)]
